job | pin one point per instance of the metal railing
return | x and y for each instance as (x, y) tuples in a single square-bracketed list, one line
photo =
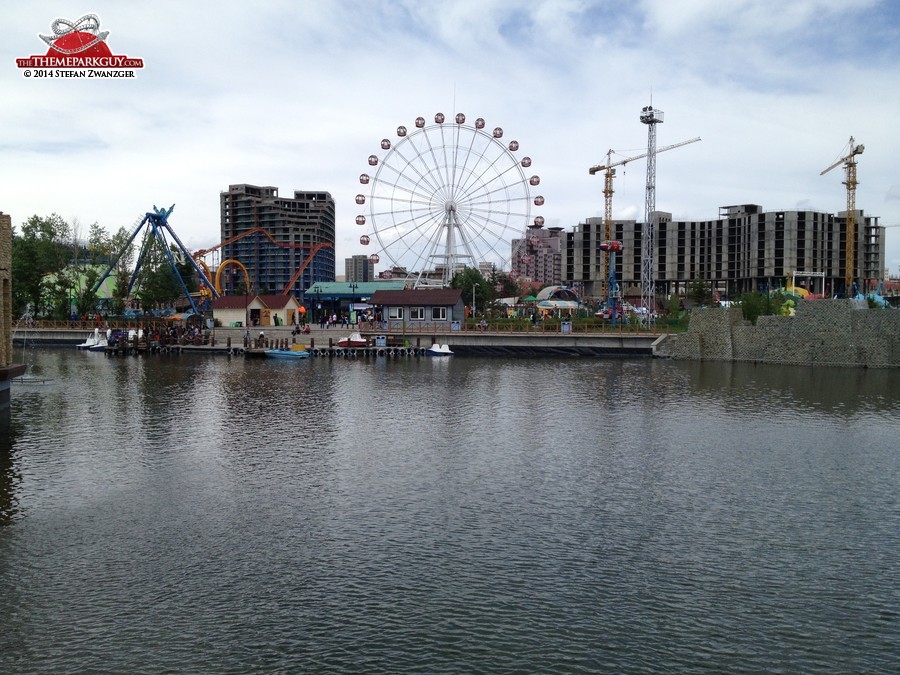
[(523, 327), (393, 327)]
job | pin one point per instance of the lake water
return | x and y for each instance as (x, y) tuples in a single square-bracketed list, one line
[(184, 513)]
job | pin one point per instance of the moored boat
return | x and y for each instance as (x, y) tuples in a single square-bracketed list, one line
[(297, 352), (93, 340), (355, 340)]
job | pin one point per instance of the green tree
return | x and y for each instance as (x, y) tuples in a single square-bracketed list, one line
[(673, 307), (700, 292), (471, 281), (756, 304), (100, 247), (753, 306), (42, 248), (121, 255), (84, 269), (508, 286), (85, 297), (122, 250), (60, 291), (116, 304), (158, 281), (159, 287)]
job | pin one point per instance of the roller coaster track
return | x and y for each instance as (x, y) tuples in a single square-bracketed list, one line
[(261, 230), (309, 259), (221, 268)]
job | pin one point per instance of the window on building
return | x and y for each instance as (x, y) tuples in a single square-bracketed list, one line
[(416, 313), (395, 313), (438, 313)]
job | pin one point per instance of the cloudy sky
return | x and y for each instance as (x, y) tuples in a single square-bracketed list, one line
[(297, 94)]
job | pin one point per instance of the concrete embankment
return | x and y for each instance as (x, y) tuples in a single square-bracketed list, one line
[(611, 343), (822, 332)]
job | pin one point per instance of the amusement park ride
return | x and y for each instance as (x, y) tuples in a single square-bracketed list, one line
[(612, 286), (157, 223), (260, 232), (445, 196)]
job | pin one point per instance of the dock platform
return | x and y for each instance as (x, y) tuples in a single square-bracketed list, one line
[(323, 343)]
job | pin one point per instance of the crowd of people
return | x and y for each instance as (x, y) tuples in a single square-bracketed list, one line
[(343, 320)]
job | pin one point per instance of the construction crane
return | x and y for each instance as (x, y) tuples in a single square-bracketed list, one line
[(610, 173), (849, 162)]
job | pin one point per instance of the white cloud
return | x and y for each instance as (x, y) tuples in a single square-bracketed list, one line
[(297, 95)]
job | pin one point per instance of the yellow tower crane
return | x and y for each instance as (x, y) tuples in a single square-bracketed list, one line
[(849, 162), (610, 173)]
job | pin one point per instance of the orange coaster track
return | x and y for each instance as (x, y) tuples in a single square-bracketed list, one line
[(197, 255)]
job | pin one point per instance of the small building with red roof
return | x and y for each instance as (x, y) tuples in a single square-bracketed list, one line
[(259, 310)]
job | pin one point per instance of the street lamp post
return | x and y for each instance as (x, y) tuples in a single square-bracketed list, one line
[(318, 313), (353, 286), (350, 314), (474, 286), (313, 313)]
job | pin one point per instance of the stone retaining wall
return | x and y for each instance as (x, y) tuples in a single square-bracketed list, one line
[(822, 332), (6, 353)]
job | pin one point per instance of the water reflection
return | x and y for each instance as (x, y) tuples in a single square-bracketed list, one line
[(464, 514), (10, 477), (840, 391)]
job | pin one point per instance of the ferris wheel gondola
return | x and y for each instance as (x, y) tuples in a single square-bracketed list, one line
[(446, 196)]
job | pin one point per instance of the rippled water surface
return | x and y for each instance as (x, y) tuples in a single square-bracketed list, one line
[(205, 514)]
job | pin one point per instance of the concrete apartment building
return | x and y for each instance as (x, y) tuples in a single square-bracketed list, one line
[(359, 268), (538, 256), (745, 249), (295, 227)]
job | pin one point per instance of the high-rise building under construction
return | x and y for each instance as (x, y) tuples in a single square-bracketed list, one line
[(746, 248), (281, 241)]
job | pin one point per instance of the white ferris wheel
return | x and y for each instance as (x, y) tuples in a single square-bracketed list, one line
[(446, 196)]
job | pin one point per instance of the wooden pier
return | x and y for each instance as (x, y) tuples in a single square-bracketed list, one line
[(323, 343)]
